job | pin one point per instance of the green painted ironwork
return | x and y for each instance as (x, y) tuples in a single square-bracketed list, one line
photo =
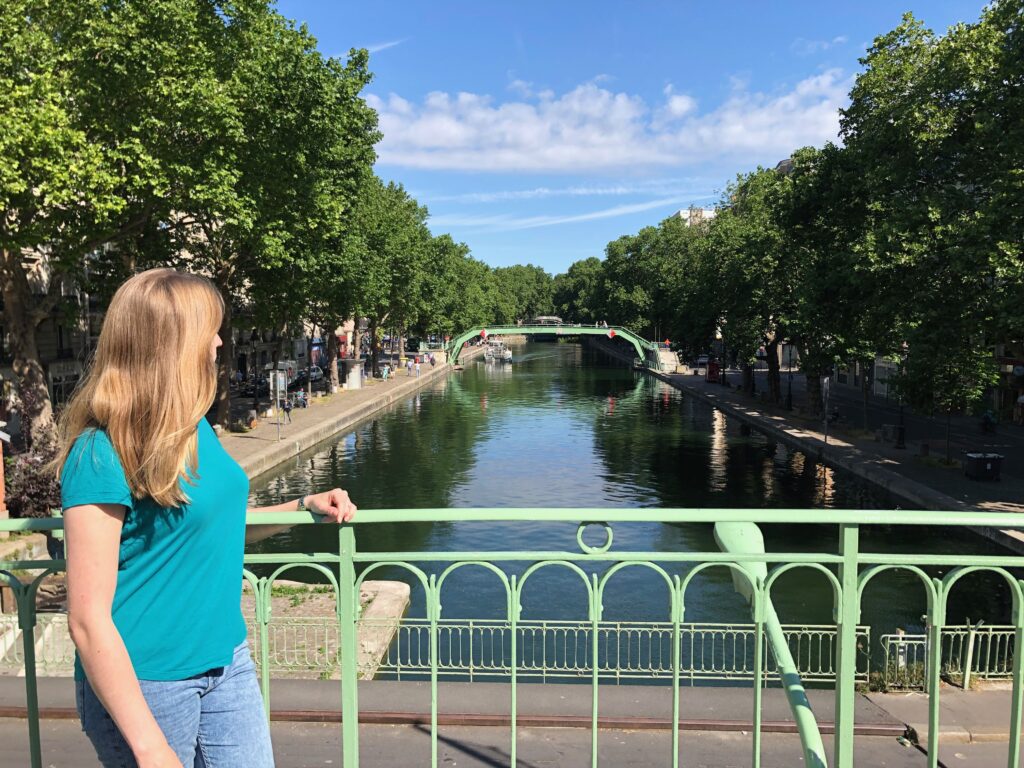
[(746, 537), (644, 348), (595, 566), (547, 651)]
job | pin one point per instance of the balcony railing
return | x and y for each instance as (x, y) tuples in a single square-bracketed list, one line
[(597, 650)]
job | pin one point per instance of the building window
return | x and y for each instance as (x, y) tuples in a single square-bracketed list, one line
[(62, 388)]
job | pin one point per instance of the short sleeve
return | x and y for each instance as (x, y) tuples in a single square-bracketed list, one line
[(92, 473)]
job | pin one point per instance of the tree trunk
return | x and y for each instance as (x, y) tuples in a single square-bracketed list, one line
[(814, 393), (949, 448), (36, 408), (227, 352), (401, 344), (372, 332), (865, 385), (748, 378), (357, 339), (331, 374), (774, 378), (309, 364)]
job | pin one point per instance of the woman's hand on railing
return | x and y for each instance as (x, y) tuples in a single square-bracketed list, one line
[(334, 505)]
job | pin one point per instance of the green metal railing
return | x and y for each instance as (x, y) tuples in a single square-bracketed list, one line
[(479, 649), (642, 346), (847, 568), (974, 652)]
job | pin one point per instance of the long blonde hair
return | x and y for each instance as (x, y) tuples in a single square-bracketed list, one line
[(151, 381)]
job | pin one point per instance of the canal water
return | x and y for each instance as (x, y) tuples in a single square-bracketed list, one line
[(564, 426)]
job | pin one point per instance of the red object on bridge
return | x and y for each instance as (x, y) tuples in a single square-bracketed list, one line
[(611, 333), (483, 332), (713, 372)]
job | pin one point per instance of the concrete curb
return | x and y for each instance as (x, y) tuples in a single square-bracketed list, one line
[(277, 453), (31, 547), (849, 459), (964, 717), (837, 453)]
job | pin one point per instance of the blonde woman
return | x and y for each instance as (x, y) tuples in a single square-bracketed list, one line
[(154, 515)]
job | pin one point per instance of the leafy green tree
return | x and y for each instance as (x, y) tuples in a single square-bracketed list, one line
[(525, 291), (455, 289), (90, 92), (578, 294), (921, 143), (397, 248)]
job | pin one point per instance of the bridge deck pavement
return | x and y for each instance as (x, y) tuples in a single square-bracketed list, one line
[(309, 745), (319, 743)]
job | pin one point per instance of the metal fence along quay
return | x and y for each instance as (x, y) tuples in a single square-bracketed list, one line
[(595, 649)]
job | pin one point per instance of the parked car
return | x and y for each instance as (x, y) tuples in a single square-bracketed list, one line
[(256, 386), (315, 374)]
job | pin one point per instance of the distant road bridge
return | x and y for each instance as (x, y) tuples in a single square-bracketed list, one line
[(645, 350)]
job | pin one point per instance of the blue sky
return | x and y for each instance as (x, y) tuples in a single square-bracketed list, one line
[(536, 132)]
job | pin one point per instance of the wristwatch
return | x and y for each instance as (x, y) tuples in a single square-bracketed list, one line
[(302, 505)]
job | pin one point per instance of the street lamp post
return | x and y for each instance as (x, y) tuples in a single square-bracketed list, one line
[(789, 390), (901, 429)]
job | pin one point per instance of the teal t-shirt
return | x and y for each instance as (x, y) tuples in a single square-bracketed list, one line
[(177, 603)]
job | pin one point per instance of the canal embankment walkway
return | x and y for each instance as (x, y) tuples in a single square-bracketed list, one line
[(922, 482), (554, 725), (915, 476), (268, 444)]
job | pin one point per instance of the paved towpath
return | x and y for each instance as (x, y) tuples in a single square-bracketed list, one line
[(262, 448), (914, 481)]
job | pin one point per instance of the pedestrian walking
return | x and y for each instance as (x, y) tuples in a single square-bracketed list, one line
[(286, 406), (417, 365), (408, 367), (163, 674), (433, 360)]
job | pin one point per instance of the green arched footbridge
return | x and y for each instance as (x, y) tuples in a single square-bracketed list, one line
[(645, 350)]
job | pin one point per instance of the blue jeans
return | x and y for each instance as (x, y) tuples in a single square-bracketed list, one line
[(212, 720)]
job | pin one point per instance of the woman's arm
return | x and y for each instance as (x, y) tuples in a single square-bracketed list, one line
[(92, 536), (334, 505)]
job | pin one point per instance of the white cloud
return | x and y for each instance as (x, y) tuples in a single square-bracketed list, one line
[(377, 47), (692, 188), (804, 47), (521, 87), (507, 223), (592, 129)]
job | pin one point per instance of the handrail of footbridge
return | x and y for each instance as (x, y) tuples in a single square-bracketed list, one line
[(591, 566), (640, 344)]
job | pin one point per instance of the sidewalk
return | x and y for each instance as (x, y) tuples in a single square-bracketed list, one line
[(305, 745), (925, 483), (259, 449), (966, 434), (964, 716), (715, 725)]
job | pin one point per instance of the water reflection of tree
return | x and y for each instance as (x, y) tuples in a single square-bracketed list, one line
[(411, 456), (667, 445)]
